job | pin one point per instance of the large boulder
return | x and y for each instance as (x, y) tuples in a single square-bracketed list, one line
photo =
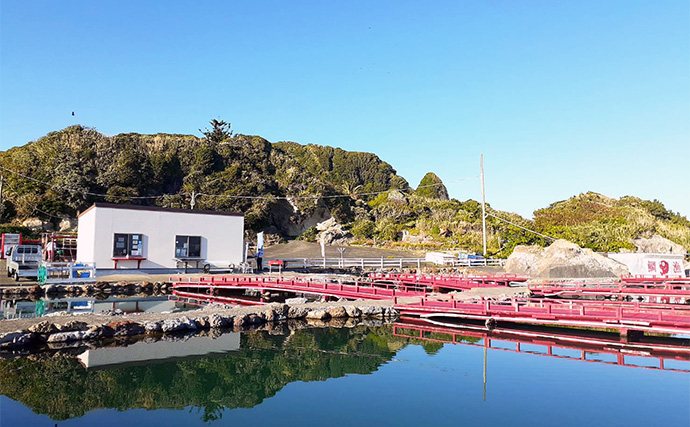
[(563, 260), (170, 326), (523, 259), (658, 245)]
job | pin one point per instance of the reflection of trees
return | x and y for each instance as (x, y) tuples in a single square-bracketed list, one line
[(62, 389)]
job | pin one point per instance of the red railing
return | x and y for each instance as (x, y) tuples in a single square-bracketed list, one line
[(679, 291), (607, 314), (321, 287)]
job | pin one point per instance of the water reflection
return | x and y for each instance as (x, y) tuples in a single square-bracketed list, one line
[(216, 374), (651, 352), (16, 309), (61, 388)]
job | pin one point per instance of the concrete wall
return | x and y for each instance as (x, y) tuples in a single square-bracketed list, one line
[(644, 264), (222, 236)]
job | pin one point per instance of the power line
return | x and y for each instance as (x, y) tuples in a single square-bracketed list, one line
[(519, 226), (333, 196), (228, 196), (73, 190)]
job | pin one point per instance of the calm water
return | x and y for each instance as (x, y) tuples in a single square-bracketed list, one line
[(360, 376)]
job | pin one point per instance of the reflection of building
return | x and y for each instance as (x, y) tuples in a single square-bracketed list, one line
[(68, 305), (12, 309), (135, 305), (159, 350), (26, 309), (150, 237)]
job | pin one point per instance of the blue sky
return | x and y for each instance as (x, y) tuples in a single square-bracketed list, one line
[(561, 97)]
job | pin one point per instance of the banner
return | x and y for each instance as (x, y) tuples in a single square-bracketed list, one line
[(260, 244)]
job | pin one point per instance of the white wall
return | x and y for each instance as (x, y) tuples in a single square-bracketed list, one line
[(644, 264), (222, 236), (85, 237)]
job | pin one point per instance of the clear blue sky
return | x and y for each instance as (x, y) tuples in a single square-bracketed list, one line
[(561, 97)]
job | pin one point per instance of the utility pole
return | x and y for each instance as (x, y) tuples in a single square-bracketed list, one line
[(481, 175), (2, 207)]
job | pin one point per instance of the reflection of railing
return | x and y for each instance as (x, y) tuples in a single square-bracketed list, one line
[(552, 342), (202, 300)]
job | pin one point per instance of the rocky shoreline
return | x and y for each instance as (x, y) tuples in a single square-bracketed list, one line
[(41, 332)]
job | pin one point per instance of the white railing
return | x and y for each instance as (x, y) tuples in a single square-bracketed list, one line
[(469, 262), (382, 262)]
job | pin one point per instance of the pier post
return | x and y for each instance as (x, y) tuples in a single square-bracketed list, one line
[(629, 335)]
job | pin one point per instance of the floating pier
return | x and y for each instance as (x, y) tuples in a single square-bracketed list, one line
[(661, 304)]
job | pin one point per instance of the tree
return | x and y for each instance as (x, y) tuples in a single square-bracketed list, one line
[(220, 131)]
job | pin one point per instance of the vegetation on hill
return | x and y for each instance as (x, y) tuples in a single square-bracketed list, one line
[(292, 187), (80, 164), (432, 187), (605, 224)]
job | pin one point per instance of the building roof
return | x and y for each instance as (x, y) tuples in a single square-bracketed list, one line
[(159, 209)]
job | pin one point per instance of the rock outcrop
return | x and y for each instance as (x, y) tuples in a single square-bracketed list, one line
[(562, 260), (332, 233), (658, 245), (432, 187), (68, 224)]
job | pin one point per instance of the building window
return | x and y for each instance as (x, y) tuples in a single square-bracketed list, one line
[(128, 245), (187, 246)]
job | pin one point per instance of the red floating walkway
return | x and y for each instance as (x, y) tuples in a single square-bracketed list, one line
[(664, 318), (661, 291), (352, 290), (454, 282)]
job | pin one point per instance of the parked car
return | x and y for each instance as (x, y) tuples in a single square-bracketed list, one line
[(23, 261)]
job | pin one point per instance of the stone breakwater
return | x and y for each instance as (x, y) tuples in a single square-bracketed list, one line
[(92, 327)]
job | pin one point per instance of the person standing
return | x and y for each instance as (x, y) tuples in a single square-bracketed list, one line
[(50, 251)]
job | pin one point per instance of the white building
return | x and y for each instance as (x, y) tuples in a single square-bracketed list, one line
[(125, 236)]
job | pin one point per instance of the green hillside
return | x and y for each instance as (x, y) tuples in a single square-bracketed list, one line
[(286, 188), (80, 164)]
